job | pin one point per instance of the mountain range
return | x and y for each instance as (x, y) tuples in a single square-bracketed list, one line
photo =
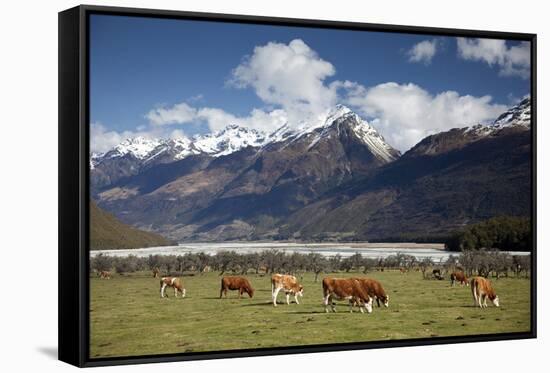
[(335, 180)]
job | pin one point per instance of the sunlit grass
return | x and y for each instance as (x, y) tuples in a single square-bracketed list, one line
[(128, 317)]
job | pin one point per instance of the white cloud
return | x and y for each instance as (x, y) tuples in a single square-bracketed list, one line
[(406, 113), (512, 60), (215, 118), (102, 139), (180, 113), (423, 52), (289, 76), (290, 79)]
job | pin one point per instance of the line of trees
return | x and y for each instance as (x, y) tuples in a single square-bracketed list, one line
[(503, 233), (480, 262)]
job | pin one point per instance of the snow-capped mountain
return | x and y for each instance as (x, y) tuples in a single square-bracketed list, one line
[(340, 114), (140, 147), (231, 139), (516, 118), (519, 115), (362, 130)]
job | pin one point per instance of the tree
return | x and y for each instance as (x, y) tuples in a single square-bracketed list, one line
[(317, 264), (424, 264), (503, 233), (102, 262)]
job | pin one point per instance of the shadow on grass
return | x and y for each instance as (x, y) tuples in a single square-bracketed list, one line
[(268, 303)]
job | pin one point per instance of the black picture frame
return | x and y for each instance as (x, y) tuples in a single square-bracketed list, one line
[(73, 247)]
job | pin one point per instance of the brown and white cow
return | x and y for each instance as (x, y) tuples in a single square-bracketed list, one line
[(460, 277), (174, 282), (236, 283), (481, 290), (289, 284), (349, 289), (106, 275), (375, 290)]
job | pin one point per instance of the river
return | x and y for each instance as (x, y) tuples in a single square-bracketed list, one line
[(370, 250)]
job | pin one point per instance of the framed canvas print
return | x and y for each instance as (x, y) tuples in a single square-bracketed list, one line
[(235, 186)]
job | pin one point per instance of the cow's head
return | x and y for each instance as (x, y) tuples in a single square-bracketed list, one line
[(299, 290), (386, 300), (250, 292), (496, 301)]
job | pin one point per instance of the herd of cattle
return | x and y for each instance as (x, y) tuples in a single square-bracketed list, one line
[(359, 291)]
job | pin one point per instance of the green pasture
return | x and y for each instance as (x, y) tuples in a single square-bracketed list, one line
[(128, 317)]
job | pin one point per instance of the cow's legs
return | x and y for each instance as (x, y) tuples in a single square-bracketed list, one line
[(162, 290), (287, 298), (175, 291), (325, 302), (240, 292), (274, 296), (221, 293), (485, 300), (474, 295), (296, 298)]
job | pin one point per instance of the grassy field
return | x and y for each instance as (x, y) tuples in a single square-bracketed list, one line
[(128, 317)]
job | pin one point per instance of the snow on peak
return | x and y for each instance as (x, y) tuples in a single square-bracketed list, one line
[(364, 132), (234, 138), (516, 116), (519, 115), (228, 140), (339, 111), (140, 147)]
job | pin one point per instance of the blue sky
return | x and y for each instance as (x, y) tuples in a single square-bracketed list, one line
[(141, 69)]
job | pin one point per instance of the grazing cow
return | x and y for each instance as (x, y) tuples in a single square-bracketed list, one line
[(156, 272), (481, 290), (437, 274), (236, 283), (106, 275), (289, 284), (174, 282), (375, 290), (460, 277), (403, 270), (349, 289)]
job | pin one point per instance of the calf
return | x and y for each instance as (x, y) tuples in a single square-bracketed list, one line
[(174, 282), (460, 277), (236, 283), (345, 289), (481, 290), (375, 290), (289, 284)]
